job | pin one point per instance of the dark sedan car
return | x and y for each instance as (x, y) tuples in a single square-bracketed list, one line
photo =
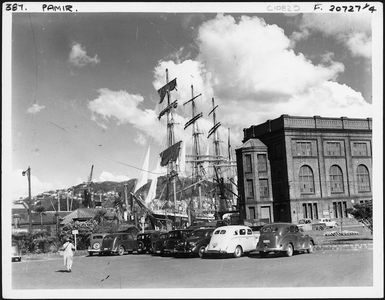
[(146, 239), (119, 243), (176, 238), (283, 237), (196, 243), (158, 244)]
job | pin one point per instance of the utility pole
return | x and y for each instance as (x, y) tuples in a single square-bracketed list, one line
[(58, 201), (126, 201), (28, 173)]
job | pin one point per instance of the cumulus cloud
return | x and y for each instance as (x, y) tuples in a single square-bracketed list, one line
[(353, 30), (254, 73), (125, 108), (79, 58), (35, 108), (20, 184), (107, 176), (140, 139)]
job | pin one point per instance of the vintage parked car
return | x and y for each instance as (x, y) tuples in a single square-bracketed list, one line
[(196, 243), (159, 243), (119, 243), (285, 238), (328, 222), (96, 243), (145, 240), (232, 239), (16, 253), (175, 238)]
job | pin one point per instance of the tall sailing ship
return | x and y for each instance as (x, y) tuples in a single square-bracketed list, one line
[(205, 195)]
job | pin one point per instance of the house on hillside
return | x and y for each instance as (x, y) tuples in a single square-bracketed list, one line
[(85, 214), (48, 221)]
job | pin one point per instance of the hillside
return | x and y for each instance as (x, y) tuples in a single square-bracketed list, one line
[(109, 190)]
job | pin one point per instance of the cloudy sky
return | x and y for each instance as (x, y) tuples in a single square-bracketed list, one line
[(84, 85)]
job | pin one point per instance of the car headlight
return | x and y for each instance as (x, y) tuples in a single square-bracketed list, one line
[(96, 246)]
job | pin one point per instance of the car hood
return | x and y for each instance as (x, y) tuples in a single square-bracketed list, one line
[(195, 239)]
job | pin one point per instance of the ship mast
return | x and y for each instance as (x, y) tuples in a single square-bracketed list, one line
[(169, 156), (213, 131), (196, 145), (171, 140)]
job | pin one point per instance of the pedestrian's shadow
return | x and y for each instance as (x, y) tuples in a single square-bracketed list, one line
[(62, 271)]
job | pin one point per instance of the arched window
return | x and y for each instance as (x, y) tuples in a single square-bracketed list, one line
[(363, 179), (306, 180), (336, 179)]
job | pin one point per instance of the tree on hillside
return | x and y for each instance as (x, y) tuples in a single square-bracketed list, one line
[(41, 211), (100, 215), (363, 213)]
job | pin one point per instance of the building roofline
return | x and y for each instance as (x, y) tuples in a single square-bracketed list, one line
[(286, 122)]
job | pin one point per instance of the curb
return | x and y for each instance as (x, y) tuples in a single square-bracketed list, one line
[(368, 246), (51, 255)]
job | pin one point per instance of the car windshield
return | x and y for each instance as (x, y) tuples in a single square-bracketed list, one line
[(186, 234), (199, 233), (174, 234), (270, 228), (97, 237)]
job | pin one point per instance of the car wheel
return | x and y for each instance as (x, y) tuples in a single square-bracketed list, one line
[(311, 247), (289, 250), (121, 250), (140, 247), (238, 252), (90, 253), (201, 251)]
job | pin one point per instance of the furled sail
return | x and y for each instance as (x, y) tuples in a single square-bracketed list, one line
[(168, 108)]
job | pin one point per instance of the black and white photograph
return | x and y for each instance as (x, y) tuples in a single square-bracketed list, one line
[(192, 150)]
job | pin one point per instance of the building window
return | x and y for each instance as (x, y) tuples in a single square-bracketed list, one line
[(360, 149), (339, 204), (306, 180), (252, 212), (304, 210), (310, 210), (248, 165), (335, 210), (263, 188), (345, 209), (336, 179), (250, 188), (315, 210), (303, 148), (333, 149), (363, 179), (262, 162)]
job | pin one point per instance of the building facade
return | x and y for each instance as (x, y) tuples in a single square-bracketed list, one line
[(255, 186), (318, 167)]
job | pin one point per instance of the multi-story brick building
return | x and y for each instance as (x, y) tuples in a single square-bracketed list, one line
[(316, 167)]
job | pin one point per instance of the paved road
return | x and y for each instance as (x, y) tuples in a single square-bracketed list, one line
[(323, 268)]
